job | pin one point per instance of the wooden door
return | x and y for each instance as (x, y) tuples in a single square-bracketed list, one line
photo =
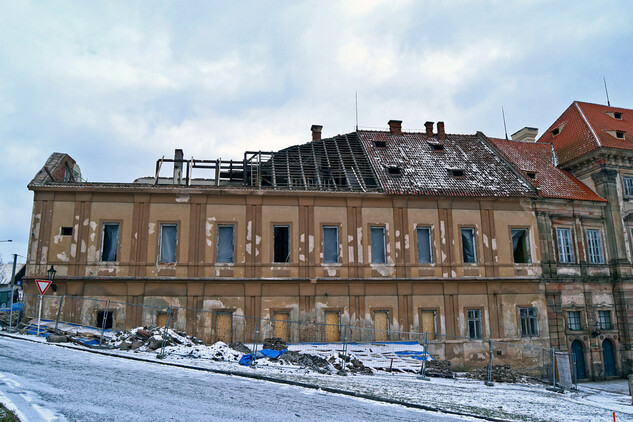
[(333, 326), (381, 325), (579, 354), (281, 327), (428, 324), (608, 357), (224, 327)]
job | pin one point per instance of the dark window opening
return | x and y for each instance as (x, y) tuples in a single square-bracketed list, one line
[(394, 170), (619, 134), (330, 244), (109, 242), (456, 172), (281, 247), (380, 144), (475, 330), (67, 231), (529, 322), (468, 245), (436, 146), (531, 174), (521, 246), (225, 244), (102, 317), (617, 115), (556, 131)]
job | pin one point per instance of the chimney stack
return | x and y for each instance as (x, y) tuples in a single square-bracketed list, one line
[(395, 127), (429, 128), (316, 132), (440, 130), (527, 134), (178, 167)]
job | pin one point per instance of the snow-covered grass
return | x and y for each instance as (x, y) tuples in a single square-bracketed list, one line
[(517, 402)]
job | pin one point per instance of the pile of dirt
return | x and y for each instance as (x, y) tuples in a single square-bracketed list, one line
[(500, 373), (311, 362), (240, 347), (274, 343), (352, 364), (439, 368), (151, 338)]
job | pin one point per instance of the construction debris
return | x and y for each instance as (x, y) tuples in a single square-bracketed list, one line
[(439, 369), (275, 343), (500, 373)]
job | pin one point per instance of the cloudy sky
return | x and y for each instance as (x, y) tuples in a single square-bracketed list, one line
[(117, 85)]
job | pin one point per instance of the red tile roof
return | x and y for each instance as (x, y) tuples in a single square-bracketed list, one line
[(585, 127), (425, 171), (551, 181)]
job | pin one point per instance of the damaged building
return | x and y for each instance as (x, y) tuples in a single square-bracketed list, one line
[(463, 237)]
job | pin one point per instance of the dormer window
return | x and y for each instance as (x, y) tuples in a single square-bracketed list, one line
[(394, 170), (436, 146), (380, 144), (617, 116), (456, 172), (556, 131), (619, 134), (531, 174)]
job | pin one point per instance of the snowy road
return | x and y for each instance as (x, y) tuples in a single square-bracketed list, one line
[(52, 383)]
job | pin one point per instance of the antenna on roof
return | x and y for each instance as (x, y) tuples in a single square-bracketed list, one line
[(356, 110), (606, 91), (504, 122)]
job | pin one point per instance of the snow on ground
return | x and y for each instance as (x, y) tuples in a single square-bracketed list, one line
[(516, 402)]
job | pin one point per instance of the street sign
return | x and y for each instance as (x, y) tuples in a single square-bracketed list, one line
[(43, 285)]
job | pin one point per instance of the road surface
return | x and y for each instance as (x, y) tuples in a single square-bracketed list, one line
[(50, 383)]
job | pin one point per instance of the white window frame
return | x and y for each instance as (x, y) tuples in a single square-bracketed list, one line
[(627, 183), (594, 246), (571, 322), (565, 242)]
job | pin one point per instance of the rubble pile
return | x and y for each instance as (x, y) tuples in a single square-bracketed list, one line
[(352, 364), (439, 369), (500, 373), (240, 347), (274, 343), (151, 338), (312, 362)]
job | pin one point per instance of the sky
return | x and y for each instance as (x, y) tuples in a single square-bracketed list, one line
[(118, 85)]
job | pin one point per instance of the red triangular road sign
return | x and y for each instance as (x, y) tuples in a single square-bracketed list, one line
[(43, 285)]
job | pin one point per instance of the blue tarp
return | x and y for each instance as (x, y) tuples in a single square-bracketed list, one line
[(415, 354), (17, 307), (264, 353)]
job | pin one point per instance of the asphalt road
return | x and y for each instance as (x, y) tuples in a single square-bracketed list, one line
[(51, 383)]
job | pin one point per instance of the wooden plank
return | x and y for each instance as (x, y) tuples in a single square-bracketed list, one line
[(223, 327), (381, 324), (332, 329), (281, 327)]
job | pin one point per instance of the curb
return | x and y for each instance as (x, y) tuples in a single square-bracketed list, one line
[(271, 379)]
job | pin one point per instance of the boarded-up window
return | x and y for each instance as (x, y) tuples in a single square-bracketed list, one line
[(330, 244), (378, 245), (225, 244), (161, 319), (381, 324), (281, 327), (168, 237), (109, 242), (224, 327), (332, 327), (429, 324)]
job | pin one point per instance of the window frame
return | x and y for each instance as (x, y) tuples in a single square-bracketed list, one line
[(474, 244), (217, 244), (627, 184), (274, 243), (418, 229), (478, 324), (570, 257), (118, 240), (601, 320), (528, 323), (337, 246), (528, 249), (384, 244), (595, 251), (569, 324), (160, 241)]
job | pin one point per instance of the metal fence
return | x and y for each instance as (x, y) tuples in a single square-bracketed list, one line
[(97, 321)]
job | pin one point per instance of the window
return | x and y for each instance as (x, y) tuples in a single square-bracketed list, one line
[(394, 170), (619, 134), (330, 244), (67, 231), (468, 245), (617, 115), (380, 144), (109, 242), (456, 172), (104, 319), (424, 245), (628, 186), (604, 320), (168, 240), (428, 324), (531, 174), (529, 322), (594, 243), (573, 320), (474, 323), (281, 247), (378, 255), (565, 246), (555, 131), (521, 246), (225, 244)]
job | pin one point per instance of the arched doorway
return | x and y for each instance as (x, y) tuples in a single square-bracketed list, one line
[(608, 357), (577, 350)]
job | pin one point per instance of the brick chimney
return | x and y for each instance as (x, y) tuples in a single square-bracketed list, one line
[(316, 132), (178, 154), (440, 130), (395, 127), (429, 128)]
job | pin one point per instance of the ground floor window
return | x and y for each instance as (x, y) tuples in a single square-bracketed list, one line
[(529, 322), (475, 330)]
